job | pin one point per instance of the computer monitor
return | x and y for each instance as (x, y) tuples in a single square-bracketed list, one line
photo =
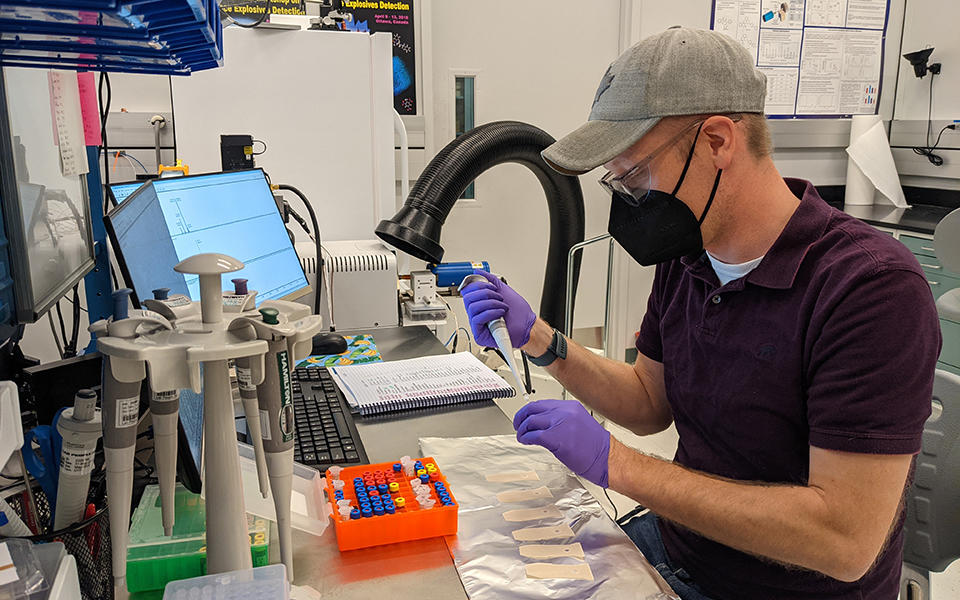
[(44, 202), (121, 191), (168, 220)]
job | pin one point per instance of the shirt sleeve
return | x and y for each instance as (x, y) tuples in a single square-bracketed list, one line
[(649, 340), (871, 367)]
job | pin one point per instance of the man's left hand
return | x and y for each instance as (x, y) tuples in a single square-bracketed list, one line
[(565, 428)]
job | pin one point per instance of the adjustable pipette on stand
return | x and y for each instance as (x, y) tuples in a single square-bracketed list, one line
[(498, 329), (286, 339)]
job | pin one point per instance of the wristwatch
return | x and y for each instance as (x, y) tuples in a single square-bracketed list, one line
[(556, 349)]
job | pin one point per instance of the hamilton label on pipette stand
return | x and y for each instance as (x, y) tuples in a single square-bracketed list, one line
[(128, 411), (286, 400)]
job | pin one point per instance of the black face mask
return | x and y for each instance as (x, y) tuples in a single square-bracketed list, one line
[(660, 227)]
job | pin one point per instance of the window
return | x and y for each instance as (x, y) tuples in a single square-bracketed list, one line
[(464, 117)]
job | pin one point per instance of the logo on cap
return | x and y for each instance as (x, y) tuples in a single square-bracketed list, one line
[(604, 84)]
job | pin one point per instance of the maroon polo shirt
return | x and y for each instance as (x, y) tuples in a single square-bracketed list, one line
[(831, 341)]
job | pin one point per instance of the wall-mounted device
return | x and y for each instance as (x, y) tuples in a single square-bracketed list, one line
[(236, 152), (919, 61)]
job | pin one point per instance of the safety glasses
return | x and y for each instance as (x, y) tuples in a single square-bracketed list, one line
[(635, 184)]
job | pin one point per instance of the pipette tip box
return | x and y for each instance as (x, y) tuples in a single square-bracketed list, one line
[(405, 519), (153, 559)]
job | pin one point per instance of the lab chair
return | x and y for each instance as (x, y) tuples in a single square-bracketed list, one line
[(946, 243), (932, 528)]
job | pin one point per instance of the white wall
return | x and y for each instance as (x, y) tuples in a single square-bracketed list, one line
[(538, 62)]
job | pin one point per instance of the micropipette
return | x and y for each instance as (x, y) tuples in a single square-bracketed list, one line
[(121, 403), (251, 409), (276, 402), (80, 427), (498, 329), (164, 410)]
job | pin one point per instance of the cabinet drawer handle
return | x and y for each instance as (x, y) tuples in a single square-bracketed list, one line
[(933, 282), (927, 248), (926, 266)]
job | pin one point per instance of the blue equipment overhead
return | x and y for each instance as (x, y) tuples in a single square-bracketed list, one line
[(234, 213), (173, 37)]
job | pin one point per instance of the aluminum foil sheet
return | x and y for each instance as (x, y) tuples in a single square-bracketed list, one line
[(484, 550)]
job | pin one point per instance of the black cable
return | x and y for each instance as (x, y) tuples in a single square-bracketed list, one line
[(63, 329), (935, 159), (264, 147), (616, 515), (316, 239), (636, 511), (263, 17), (104, 113), (71, 302), (526, 373), (75, 333)]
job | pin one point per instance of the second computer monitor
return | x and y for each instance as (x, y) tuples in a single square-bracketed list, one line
[(168, 220)]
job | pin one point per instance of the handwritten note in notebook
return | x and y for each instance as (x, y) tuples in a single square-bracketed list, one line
[(419, 383)]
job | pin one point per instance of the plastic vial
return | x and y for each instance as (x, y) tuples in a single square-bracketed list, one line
[(335, 472), (344, 502), (338, 484)]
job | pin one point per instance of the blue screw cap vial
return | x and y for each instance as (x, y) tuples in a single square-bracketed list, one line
[(386, 498), (390, 509), (418, 465), (363, 498), (382, 488), (355, 513), (397, 467), (338, 494), (366, 512), (378, 510), (371, 488), (424, 478), (364, 505)]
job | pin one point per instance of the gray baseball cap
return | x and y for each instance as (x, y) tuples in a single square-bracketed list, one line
[(677, 72)]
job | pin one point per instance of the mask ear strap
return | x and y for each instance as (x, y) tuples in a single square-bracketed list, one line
[(713, 192), (686, 165)]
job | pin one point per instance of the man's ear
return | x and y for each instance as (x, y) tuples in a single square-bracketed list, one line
[(721, 133)]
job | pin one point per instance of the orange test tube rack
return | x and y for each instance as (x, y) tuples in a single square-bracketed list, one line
[(409, 522)]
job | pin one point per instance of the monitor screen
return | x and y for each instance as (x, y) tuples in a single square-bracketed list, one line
[(168, 220), (121, 191)]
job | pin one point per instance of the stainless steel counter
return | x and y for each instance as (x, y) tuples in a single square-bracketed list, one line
[(421, 570)]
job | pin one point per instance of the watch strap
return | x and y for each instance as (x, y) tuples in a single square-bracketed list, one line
[(556, 349)]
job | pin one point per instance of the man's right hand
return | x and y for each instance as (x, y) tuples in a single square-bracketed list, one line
[(489, 300)]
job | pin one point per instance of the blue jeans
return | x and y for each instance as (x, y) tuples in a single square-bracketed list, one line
[(645, 534)]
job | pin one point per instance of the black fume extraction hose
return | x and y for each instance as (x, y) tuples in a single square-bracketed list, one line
[(415, 229)]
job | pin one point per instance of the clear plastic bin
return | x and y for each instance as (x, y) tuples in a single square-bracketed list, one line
[(261, 583), (26, 581)]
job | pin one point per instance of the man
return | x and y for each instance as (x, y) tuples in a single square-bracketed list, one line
[(793, 346)]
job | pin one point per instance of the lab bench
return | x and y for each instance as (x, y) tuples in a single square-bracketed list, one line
[(422, 569)]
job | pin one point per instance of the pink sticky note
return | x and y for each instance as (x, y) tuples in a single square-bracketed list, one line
[(89, 108)]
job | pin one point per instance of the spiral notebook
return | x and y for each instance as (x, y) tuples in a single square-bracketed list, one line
[(422, 382)]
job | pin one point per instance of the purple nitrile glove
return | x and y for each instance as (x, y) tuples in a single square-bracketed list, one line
[(489, 300), (565, 428)]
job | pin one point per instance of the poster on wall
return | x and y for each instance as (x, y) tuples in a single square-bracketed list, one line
[(821, 57), (251, 11), (395, 18)]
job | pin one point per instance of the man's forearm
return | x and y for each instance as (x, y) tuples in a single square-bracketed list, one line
[(789, 524), (607, 386)]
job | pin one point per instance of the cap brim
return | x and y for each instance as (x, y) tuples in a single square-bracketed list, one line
[(594, 143)]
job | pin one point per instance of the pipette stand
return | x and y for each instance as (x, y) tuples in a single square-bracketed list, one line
[(194, 354)]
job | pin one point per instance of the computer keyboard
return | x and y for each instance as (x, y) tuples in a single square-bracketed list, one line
[(326, 433)]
